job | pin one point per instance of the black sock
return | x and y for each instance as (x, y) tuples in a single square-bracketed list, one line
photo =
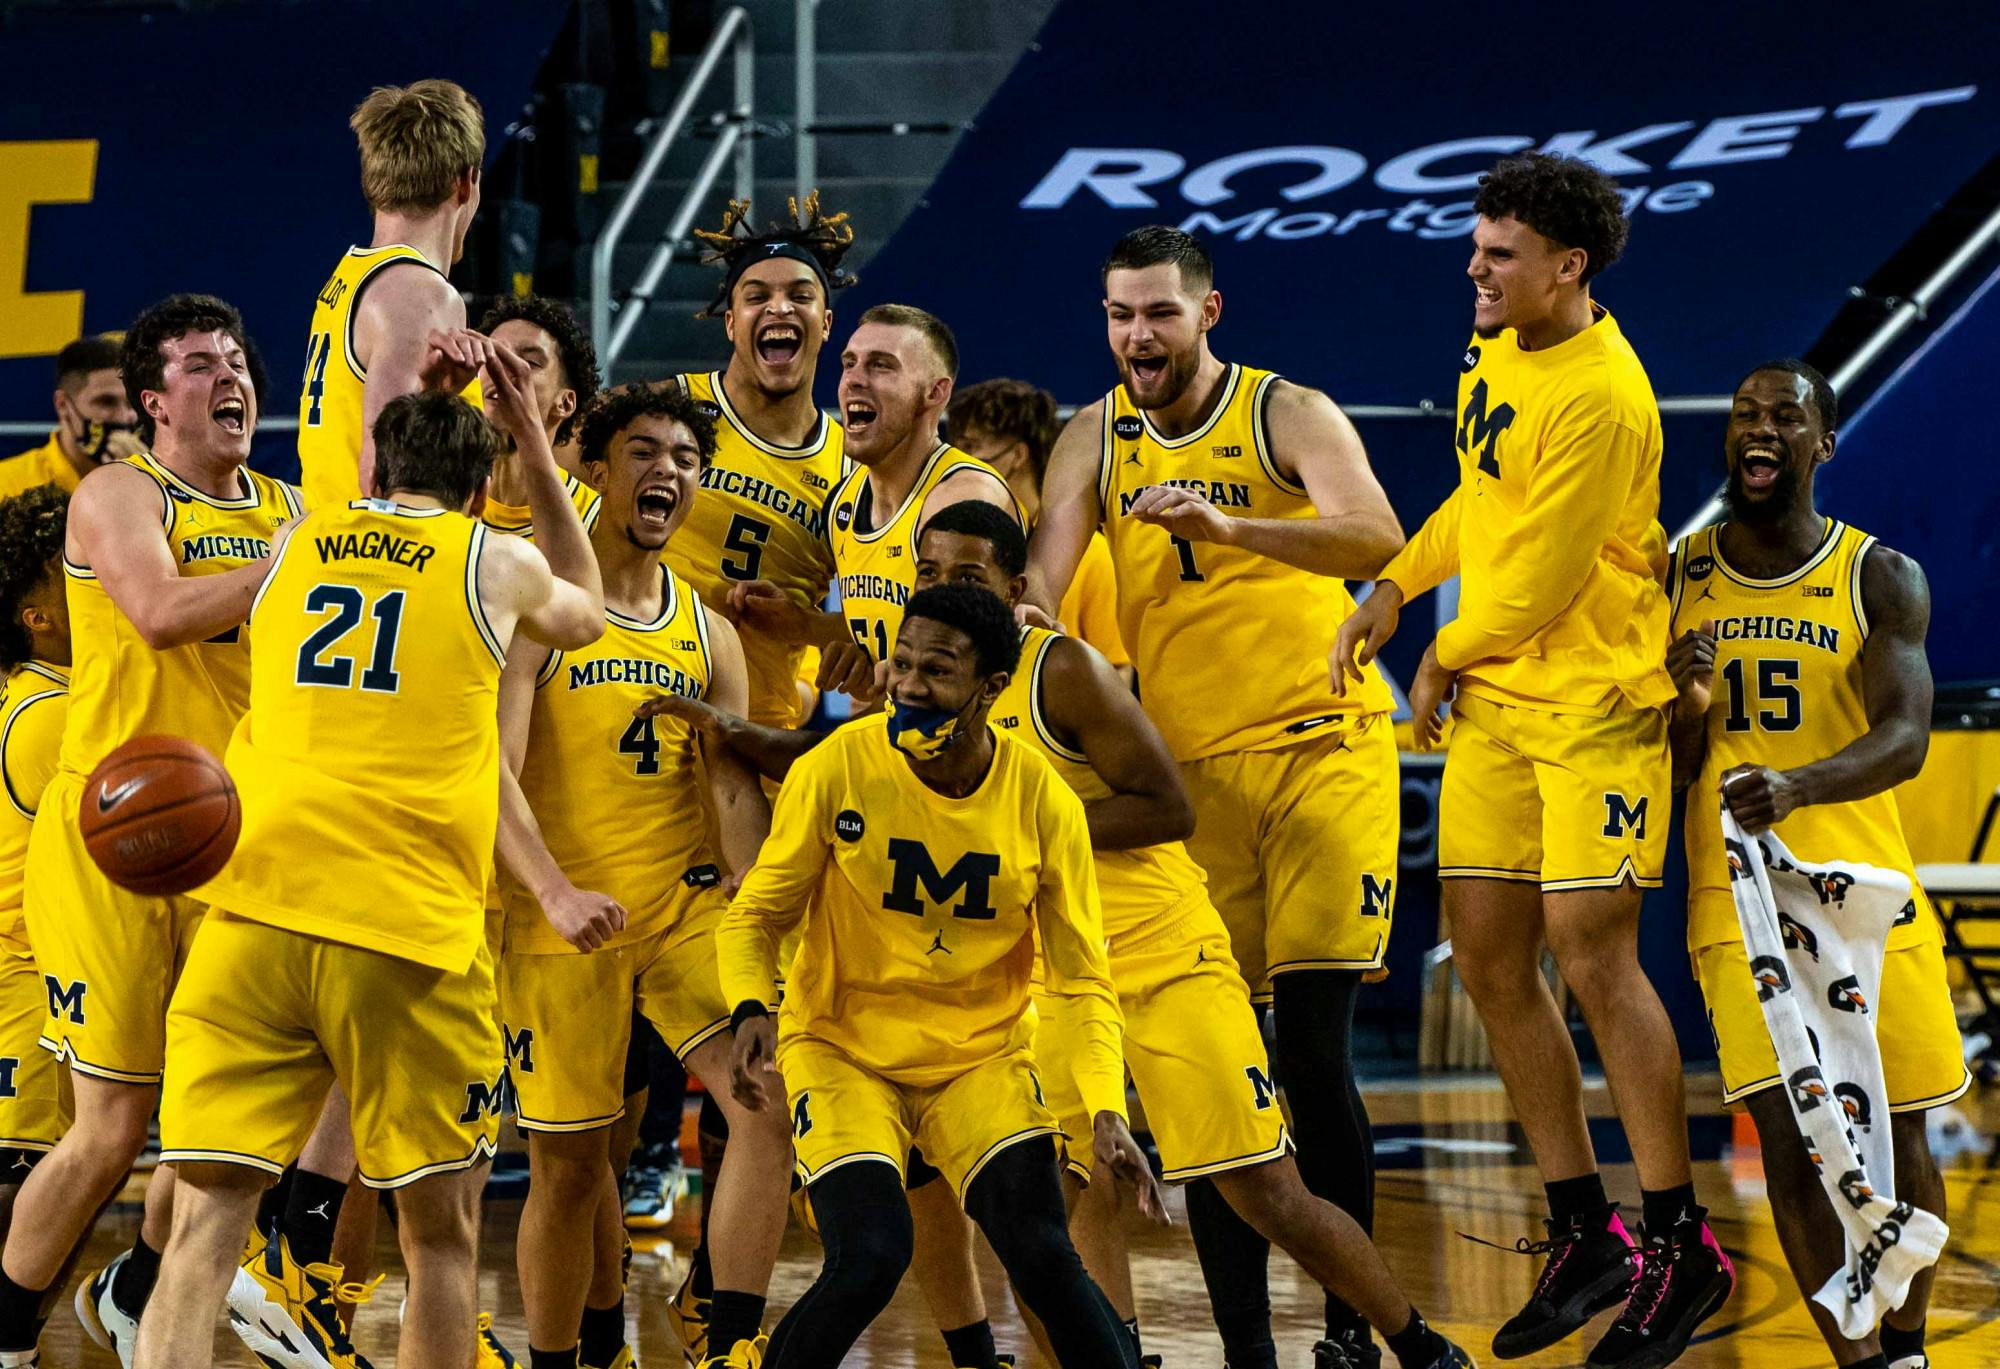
[(1900, 1344), (1663, 1209), (311, 1210), (20, 1310), (971, 1347), (1416, 1345), (1572, 1200), (552, 1359), (732, 1317), (1132, 1330), (602, 1334), (133, 1283), (1233, 1263)]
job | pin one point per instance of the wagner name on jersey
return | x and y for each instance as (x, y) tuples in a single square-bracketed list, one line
[(368, 763), (330, 427), (620, 800), (761, 515), (1230, 646), (120, 686), (875, 551), (1788, 691)]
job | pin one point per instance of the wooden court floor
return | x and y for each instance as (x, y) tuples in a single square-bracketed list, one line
[(1451, 1162)]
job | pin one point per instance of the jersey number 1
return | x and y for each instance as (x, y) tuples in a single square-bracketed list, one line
[(1185, 550), (346, 604)]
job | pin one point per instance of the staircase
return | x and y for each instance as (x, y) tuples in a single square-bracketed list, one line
[(922, 62)]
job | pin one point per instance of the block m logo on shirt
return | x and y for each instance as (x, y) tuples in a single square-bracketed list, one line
[(972, 875)]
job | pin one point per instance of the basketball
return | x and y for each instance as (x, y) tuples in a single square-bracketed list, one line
[(160, 815)]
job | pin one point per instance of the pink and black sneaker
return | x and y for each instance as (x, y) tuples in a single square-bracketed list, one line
[(1591, 1265), (1684, 1279)]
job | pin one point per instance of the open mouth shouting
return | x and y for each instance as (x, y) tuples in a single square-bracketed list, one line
[(655, 504), (779, 344), (1148, 371), (230, 416), (1758, 466), (858, 417)]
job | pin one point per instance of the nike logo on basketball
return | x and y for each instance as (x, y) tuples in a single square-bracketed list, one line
[(111, 798)]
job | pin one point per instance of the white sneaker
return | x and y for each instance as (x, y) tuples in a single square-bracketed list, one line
[(102, 1320), (20, 1359), (1919, 1361)]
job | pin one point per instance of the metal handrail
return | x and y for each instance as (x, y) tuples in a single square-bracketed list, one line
[(805, 90), (1892, 327), (733, 33)]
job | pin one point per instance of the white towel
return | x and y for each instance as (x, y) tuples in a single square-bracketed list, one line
[(1814, 933)]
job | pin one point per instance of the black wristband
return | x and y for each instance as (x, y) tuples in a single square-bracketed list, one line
[(746, 1010)]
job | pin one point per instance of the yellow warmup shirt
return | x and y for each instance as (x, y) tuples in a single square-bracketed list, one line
[(1230, 646), (918, 947), (1554, 530), (1137, 887), (34, 702), (1787, 692), (120, 687), (369, 763), (1090, 606), (516, 520), (43, 465), (761, 515), (875, 551), (330, 426), (620, 800)]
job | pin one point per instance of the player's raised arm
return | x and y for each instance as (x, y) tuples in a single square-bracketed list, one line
[(115, 533), (511, 403), (769, 751), (1149, 803), (1071, 509), (403, 330), (743, 815), (521, 593)]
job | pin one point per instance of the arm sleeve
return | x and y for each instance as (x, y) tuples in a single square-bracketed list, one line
[(33, 742), (1544, 555), (1074, 966), (1431, 557), (775, 893)]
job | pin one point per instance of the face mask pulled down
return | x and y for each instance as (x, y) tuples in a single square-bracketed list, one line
[(924, 733)]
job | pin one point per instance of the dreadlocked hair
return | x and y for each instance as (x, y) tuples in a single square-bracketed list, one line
[(826, 236)]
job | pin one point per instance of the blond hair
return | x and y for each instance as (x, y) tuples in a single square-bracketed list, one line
[(416, 141)]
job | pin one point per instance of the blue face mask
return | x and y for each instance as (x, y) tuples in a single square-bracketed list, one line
[(922, 733)]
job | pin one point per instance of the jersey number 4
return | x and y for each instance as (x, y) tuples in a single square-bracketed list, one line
[(642, 744), (318, 348), (347, 605)]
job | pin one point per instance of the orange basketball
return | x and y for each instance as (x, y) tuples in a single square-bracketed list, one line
[(160, 815)]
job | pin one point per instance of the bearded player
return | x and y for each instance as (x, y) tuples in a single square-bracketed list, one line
[(1233, 500)]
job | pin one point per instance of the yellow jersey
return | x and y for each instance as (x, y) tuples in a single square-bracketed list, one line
[(43, 465), (1090, 606), (120, 687), (876, 569), (1787, 692), (34, 702), (761, 515), (1554, 529), (620, 800), (330, 427), (369, 762), (1230, 646), (921, 914), (1139, 888), (517, 521)]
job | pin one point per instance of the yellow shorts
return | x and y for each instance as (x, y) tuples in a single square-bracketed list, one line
[(35, 1107), (568, 1017), (1923, 1061), (265, 1020), (108, 956), (1193, 1048), (843, 1112), (1300, 848), (1564, 800)]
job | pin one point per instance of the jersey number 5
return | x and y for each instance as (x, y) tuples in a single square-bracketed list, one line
[(346, 604), (746, 539)]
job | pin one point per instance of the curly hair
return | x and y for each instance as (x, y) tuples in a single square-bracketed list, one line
[(31, 541), (616, 410), (1566, 200), (573, 346), (1012, 410), (980, 614), (145, 364), (826, 237)]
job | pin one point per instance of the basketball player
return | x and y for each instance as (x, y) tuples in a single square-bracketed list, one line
[(607, 853), (896, 375), (34, 702), (94, 421), (921, 845), (1233, 500), (383, 323), (162, 552), (1012, 426), (1823, 707), (380, 636), (1552, 813), (563, 368)]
